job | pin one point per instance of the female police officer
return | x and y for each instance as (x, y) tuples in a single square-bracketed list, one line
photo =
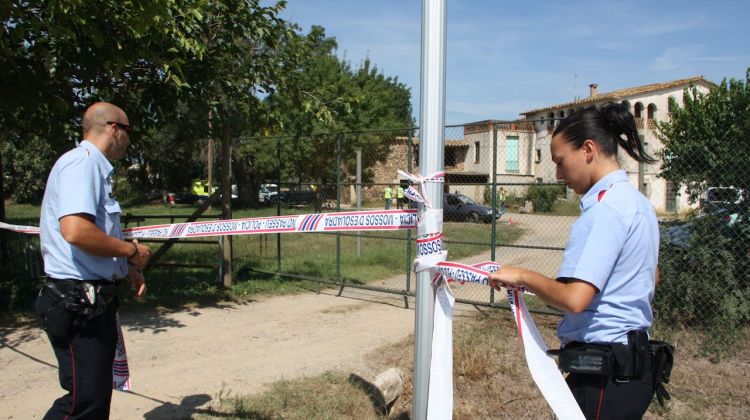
[(607, 277)]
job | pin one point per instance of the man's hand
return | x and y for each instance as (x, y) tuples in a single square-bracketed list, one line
[(140, 259), (137, 282)]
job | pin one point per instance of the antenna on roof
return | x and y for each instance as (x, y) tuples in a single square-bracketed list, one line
[(575, 87)]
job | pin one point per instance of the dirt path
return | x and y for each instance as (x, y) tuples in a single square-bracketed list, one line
[(181, 360), (194, 355)]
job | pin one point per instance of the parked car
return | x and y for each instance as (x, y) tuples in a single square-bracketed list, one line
[(304, 194), (720, 206), (267, 193), (462, 208), (724, 201)]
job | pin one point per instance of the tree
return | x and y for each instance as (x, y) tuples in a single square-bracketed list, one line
[(332, 98), (707, 144), (58, 57), (164, 61), (707, 140)]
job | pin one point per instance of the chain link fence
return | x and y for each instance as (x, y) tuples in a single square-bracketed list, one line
[(495, 206), (501, 202)]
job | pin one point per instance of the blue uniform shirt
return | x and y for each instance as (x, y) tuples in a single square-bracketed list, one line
[(614, 246), (80, 182)]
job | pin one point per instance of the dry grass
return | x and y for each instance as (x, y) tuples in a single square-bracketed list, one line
[(492, 381)]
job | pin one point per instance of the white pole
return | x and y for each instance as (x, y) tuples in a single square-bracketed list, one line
[(431, 131)]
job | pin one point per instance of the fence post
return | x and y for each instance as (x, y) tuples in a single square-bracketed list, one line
[(359, 198), (409, 168), (493, 243), (338, 206), (278, 202)]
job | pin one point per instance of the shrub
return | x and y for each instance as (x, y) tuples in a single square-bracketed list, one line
[(704, 283), (544, 196), (27, 168)]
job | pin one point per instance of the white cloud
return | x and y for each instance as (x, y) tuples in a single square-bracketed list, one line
[(674, 58)]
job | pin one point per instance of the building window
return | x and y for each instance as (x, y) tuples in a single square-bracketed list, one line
[(638, 110), (476, 152), (511, 154), (538, 156), (651, 110), (450, 158)]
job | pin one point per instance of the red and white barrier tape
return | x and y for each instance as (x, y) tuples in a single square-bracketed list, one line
[(542, 367), (418, 194), (32, 230), (321, 222)]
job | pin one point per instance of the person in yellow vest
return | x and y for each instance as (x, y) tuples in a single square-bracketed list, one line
[(387, 196), (400, 197)]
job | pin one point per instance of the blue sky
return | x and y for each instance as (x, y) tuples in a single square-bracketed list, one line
[(507, 57)]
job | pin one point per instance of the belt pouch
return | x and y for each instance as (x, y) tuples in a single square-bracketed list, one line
[(589, 359)]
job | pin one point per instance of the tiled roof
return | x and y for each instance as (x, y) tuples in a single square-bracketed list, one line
[(617, 95)]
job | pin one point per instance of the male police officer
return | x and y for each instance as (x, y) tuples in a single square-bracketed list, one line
[(84, 255)]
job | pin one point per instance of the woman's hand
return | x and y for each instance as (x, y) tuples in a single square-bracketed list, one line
[(507, 277)]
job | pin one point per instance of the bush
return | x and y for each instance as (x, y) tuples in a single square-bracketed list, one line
[(22, 270), (27, 168), (544, 196), (704, 283)]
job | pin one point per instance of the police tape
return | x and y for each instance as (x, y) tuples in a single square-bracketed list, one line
[(318, 222), (418, 195), (542, 367), (477, 273), (32, 230)]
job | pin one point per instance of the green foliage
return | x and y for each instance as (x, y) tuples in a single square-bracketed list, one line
[(26, 166), (705, 284), (330, 96), (707, 140), (163, 61), (544, 196), (21, 267)]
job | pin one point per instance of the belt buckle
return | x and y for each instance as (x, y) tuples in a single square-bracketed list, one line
[(622, 380)]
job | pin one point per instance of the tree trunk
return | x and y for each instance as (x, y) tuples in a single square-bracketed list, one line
[(226, 200)]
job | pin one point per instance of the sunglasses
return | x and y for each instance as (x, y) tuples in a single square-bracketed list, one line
[(128, 128)]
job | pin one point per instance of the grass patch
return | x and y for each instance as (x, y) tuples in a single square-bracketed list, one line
[(382, 254), (491, 380), (328, 396), (566, 208)]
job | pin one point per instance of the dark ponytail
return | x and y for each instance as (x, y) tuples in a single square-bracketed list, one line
[(606, 126)]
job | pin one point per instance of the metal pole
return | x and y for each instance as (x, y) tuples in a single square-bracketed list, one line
[(431, 127), (278, 201), (493, 245), (359, 198), (338, 205), (409, 244)]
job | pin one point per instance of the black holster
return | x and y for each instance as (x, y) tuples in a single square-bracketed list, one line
[(63, 304), (663, 357)]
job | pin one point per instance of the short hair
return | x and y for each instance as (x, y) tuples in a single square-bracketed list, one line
[(97, 115)]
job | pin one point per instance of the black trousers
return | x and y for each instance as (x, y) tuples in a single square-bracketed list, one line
[(85, 368), (601, 397)]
